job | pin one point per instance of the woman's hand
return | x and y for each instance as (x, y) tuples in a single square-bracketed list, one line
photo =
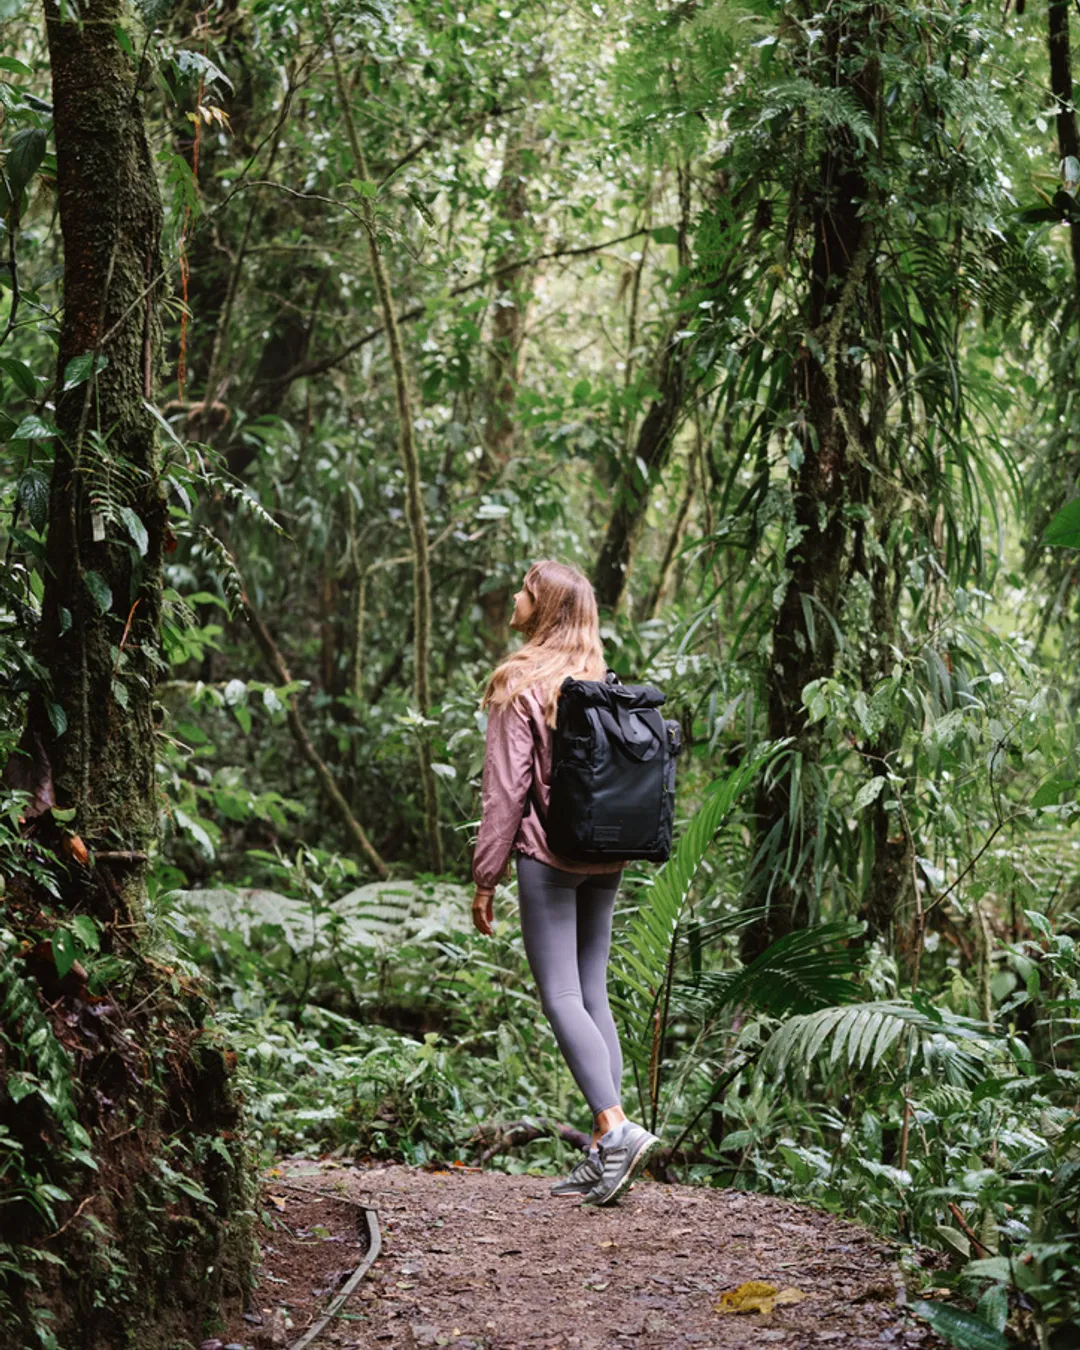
[(483, 910)]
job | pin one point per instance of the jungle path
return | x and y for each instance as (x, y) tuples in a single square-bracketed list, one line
[(484, 1261)]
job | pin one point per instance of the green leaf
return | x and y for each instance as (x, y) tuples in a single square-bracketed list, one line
[(365, 187), (1050, 793), (1064, 530), (21, 373), (63, 948), (136, 529), (20, 1085), (57, 716), (79, 369), (665, 234), (26, 150), (868, 792), (961, 1329), (34, 496), (954, 1238), (34, 428), (200, 67), (16, 67), (86, 930), (99, 589)]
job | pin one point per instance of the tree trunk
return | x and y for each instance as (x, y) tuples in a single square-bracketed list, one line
[(827, 388), (652, 449), (410, 462), (98, 638), (510, 303), (1061, 86)]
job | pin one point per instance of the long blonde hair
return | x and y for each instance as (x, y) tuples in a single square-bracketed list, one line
[(562, 639)]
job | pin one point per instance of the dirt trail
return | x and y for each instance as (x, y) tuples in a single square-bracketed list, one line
[(485, 1261)]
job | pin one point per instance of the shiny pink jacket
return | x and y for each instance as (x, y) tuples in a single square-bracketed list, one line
[(517, 755)]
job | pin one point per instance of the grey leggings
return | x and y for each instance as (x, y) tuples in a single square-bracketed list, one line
[(566, 927)]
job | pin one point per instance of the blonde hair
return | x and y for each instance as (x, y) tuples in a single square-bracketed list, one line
[(562, 639)]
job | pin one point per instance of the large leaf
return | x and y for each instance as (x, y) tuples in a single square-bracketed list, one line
[(1064, 530), (34, 496), (25, 153), (961, 1329)]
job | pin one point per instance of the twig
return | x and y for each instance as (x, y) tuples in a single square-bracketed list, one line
[(68, 1222), (954, 1210), (502, 1137), (371, 1219), (418, 311), (718, 1088)]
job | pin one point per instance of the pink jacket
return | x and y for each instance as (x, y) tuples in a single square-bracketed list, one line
[(517, 755)]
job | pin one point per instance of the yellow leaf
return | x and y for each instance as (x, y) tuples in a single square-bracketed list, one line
[(755, 1296)]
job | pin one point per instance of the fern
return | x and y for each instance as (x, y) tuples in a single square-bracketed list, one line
[(859, 1036), (802, 972), (646, 951), (834, 108)]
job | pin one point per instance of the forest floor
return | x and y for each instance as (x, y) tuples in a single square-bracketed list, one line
[(484, 1261)]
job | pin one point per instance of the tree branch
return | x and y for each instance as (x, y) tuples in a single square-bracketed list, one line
[(418, 311)]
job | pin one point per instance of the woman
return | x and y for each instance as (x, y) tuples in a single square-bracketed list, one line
[(566, 907)]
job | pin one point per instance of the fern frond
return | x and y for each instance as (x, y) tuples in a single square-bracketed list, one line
[(644, 953), (860, 1035), (803, 971)]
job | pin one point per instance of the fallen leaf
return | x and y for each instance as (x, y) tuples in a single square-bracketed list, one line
[(755, 1296), (74, 847), (609, 1243), (278, 1201)]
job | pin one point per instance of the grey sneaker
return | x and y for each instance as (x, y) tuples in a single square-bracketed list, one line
[(583, 1178), (622, 1151)]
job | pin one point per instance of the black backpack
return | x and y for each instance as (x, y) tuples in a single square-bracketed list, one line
[(612, 773)]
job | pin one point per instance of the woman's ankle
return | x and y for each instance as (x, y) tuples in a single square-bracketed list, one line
[(607, 1120)]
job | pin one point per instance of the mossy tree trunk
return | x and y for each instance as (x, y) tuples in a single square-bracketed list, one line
[(832, 443), (98, 638)]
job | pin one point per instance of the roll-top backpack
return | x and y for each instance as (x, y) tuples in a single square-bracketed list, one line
[(612, 773)]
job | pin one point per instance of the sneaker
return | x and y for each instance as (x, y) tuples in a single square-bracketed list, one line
[(622, 1151), (583, 1178)]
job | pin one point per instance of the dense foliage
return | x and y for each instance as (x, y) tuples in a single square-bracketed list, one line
[(765, 316)]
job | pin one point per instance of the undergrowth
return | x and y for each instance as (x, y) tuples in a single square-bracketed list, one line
[(123, 1176)]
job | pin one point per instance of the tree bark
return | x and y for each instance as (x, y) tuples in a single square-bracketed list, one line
[(827, 389), (1061, 86), (98, 637)]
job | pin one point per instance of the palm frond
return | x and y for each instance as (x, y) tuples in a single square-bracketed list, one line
[(860, 1035), (645, 952), (802, 972)]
